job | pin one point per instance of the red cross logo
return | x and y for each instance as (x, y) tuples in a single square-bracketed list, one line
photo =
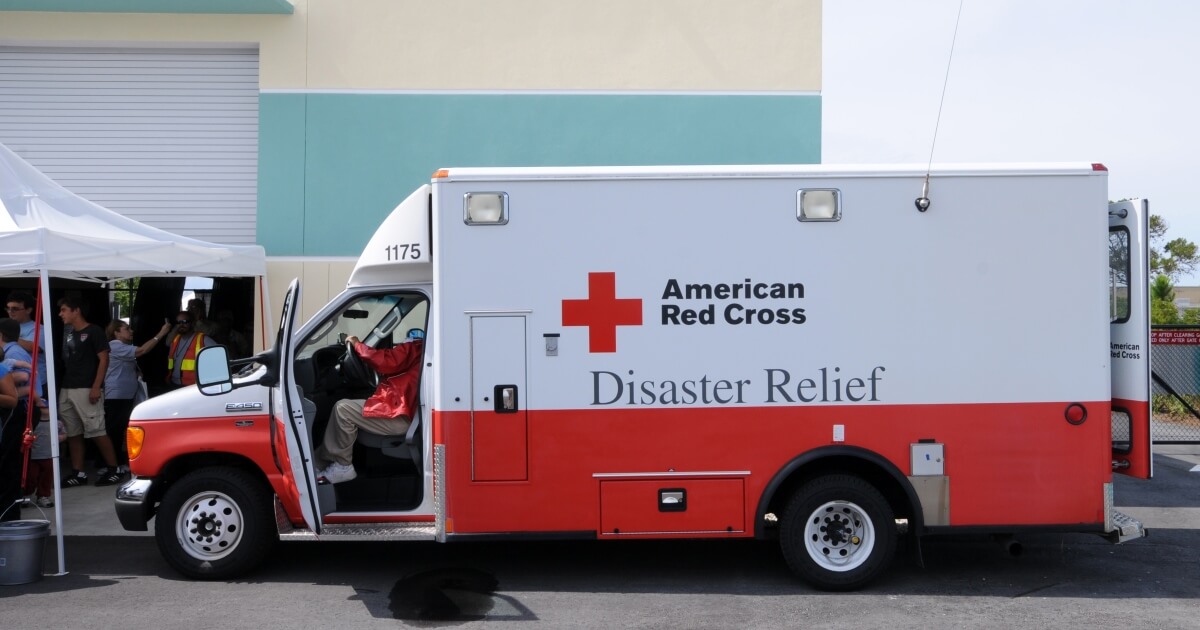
[(602, 312)]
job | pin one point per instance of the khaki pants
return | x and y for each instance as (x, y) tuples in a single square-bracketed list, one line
[(342, 430), (79, 414)]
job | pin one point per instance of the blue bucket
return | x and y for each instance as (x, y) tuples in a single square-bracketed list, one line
[(22, 544)]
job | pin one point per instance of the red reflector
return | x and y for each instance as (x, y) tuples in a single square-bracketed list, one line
[(1076, 413), (1099, 167)]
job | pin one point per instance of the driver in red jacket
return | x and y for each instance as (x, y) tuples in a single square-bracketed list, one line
[(387, 412)]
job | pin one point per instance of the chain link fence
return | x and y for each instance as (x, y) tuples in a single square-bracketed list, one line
[(1175, 384)]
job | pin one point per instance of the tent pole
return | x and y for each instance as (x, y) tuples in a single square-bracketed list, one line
[(52, 400)]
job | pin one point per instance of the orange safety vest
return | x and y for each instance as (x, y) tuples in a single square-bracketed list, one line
[(187, 367)]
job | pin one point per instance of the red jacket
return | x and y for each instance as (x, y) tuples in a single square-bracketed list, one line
[(399, 371)]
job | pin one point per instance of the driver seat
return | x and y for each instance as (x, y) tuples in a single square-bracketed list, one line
[(407, 446)]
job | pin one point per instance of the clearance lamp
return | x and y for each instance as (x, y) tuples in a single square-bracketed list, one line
[(490, 208), (822, 204)]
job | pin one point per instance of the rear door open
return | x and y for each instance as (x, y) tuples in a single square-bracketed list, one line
[(1129, 336)]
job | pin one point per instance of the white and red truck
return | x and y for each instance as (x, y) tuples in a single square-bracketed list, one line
[(830, 356)]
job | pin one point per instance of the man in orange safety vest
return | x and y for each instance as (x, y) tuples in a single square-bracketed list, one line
[(181, 359)]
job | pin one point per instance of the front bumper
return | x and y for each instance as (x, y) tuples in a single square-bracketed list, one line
[(133, 504)]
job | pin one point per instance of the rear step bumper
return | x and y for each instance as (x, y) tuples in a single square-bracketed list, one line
[(1119, 527), (1123, 527)]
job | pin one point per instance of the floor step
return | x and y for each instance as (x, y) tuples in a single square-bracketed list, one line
[(365, 531)]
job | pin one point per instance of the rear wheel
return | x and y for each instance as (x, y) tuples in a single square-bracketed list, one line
[(838, 533), (215, 523)]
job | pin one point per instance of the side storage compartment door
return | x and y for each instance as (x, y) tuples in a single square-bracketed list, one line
[(499, 421), (1129, 337), (706, 507), (293, 452)]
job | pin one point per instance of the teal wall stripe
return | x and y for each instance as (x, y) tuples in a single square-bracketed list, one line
[(280, 227), (363, 153)]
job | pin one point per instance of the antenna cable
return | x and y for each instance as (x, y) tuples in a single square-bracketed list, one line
[(923, 200)]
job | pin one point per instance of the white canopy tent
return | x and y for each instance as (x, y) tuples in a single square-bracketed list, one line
[(49, 231)]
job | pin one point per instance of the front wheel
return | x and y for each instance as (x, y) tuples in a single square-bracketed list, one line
[(215, 523), (838, 533)]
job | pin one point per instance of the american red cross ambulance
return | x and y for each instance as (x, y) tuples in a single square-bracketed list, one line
[(834, 357)]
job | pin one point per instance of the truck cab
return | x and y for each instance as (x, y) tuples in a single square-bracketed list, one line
[(229, 467)]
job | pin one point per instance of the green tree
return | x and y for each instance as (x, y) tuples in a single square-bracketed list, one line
[(1162, 289), (123, 292), (1162, 301), (1174, 258)]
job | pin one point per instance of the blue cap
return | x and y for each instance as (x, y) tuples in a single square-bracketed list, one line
[(415, 333)]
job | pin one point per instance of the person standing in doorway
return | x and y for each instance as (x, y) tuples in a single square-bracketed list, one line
[(181, 360), (81, 399)]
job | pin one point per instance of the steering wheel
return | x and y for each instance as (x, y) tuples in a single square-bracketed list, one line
[(354, 371)]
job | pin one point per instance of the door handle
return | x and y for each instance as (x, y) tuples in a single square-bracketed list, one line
[(506, 399)]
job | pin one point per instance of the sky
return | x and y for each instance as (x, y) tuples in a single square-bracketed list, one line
[(1115, 82)]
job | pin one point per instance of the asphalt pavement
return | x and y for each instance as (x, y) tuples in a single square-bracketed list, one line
[(116, 578)]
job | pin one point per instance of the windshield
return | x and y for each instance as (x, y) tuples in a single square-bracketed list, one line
[(380, 321)]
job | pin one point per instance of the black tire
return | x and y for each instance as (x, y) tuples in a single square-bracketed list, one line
[(838, 533), (233, 509)]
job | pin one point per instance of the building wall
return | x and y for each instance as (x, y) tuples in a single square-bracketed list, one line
[(1187, 297), (361, 100)]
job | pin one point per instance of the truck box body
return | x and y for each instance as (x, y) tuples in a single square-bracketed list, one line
[(753, 337)]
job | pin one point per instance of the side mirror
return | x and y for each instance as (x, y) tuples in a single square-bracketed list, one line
[(212, 371)]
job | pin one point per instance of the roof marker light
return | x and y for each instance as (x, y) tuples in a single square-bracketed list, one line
[(819, 204), (485, 208)]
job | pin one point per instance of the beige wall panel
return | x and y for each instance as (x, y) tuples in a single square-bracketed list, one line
[(339, 275), (320, 281), (280, 38), (721, 45), (566, 44)]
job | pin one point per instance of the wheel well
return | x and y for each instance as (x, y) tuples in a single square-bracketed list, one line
[(868, 466), (184, 464)]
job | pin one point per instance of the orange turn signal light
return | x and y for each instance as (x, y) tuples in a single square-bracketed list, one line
[(134, 437)]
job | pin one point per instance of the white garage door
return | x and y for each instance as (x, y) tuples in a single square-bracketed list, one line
[(168, 137)]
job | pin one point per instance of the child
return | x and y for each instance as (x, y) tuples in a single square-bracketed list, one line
[(40, 479)]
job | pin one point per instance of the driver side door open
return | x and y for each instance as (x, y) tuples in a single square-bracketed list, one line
[(388, 478), (290, 425)]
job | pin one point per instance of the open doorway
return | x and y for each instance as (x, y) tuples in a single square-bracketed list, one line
[(222, 307)]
